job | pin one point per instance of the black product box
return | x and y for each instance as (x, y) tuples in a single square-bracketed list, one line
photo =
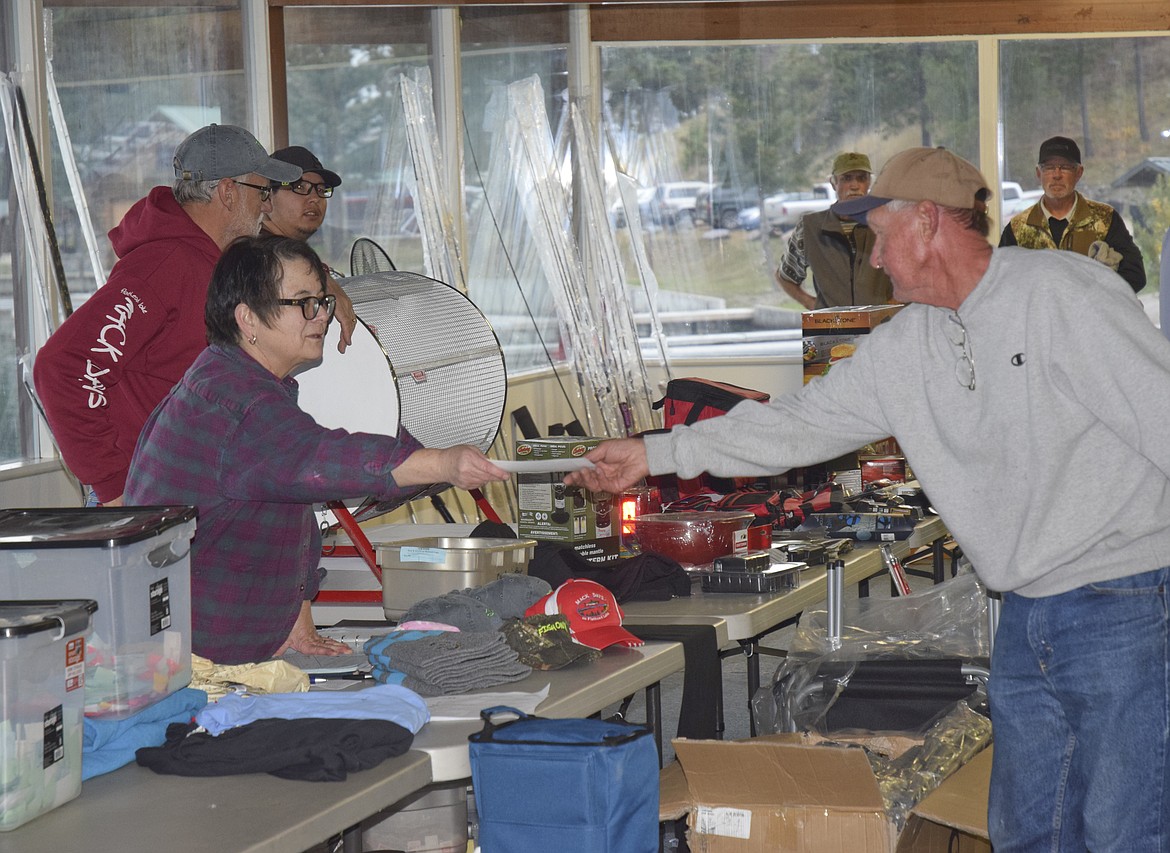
[(862, 526)]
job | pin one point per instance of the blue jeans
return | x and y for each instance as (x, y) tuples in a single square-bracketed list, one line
[(1080, 704)]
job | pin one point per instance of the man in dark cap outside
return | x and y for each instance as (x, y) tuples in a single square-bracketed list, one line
[(1065, 219), (101, 374), (1022, 386), (835, 247)]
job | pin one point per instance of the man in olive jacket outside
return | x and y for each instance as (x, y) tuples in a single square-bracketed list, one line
[(836, 247), (1065, 219)]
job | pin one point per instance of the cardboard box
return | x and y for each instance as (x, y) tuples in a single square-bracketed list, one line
[(790, 792), (958, 804), (776, 793), (852, 319), (552, 512)]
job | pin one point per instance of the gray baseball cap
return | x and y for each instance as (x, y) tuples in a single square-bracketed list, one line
[(224, 151)]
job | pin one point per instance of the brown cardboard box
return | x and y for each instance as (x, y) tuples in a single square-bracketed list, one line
[(776, 793), (855, 319), (953, 817)]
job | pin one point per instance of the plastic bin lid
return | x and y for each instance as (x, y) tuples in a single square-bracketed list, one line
[(22, 618), (75, 527)]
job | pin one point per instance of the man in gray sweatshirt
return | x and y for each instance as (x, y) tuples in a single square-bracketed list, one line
[(1031, 396)]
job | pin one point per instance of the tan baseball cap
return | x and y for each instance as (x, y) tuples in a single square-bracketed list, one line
[(922, 174), (851, 161)]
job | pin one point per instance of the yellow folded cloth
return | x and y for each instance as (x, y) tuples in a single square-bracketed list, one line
[(271, 676)]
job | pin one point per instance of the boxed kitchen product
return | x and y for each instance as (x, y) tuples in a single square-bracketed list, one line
[(42, 693), (694, 539), (863, 526), (777, 577), (135, 563), (551, 511), (415, 569), (831, 334), (847, 320)]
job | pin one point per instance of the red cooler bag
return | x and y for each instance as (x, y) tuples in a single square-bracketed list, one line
[(695, 399)]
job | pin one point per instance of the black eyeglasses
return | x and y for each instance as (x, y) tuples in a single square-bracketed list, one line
[(265, 192), (311, 305), (306, 187)]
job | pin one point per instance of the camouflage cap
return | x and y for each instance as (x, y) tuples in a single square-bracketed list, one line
[(544, 642)]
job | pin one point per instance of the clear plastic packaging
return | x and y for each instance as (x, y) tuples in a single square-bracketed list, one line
[(949, 620), (694, 539)]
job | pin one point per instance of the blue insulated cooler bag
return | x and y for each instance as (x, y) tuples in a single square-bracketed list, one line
[(574, 786)]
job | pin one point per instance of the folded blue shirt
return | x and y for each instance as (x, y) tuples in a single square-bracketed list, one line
[(378, 702), (108, 744)]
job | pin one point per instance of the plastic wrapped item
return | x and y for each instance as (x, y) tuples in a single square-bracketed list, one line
[(694, 539), (943, 629), (948, 745)]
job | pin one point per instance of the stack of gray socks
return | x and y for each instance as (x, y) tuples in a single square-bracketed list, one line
[(454, 662)]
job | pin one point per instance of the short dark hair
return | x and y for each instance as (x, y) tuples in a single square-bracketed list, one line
[(249, 272)]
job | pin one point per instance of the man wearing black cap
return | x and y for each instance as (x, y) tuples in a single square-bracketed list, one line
[(298, 207), (1065, 219)]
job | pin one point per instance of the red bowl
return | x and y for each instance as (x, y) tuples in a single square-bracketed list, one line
[(694, 539)]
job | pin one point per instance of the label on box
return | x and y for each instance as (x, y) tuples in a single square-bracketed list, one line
[(732, 823), (74, 664), (160, 606), (54, 736), (739, 542), (414, 554)]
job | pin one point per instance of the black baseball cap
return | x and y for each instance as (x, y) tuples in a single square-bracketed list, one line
[(1059, 146), (300, 156)]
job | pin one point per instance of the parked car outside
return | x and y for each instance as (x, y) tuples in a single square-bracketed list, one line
[(719, 206), (1015, 198), (675, 200), (749, 218), (783, 210), (646, 207)]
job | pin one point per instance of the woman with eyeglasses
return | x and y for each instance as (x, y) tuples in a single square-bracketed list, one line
[(231, 440)]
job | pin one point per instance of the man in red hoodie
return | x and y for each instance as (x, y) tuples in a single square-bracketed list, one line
[(100, 375)]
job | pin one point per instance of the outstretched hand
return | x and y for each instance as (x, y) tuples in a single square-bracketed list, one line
[(462, 466), (617, 465)]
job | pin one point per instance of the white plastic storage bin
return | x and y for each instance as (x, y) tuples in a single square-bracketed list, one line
[(135, 562), (42, 680)]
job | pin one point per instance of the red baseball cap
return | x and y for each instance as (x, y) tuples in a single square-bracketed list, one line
[(595, 620)]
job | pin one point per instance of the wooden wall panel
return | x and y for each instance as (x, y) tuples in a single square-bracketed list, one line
[(822, 19)]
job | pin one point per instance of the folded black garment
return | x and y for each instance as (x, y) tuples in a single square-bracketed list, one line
[(316, 750)]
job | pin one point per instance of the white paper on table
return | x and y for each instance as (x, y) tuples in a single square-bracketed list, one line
[(466, 706), (541, 466)]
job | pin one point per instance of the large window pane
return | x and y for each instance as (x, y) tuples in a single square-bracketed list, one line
[(502, 46), (344, 67), (133, 82), (764, 122), (1112, 96)]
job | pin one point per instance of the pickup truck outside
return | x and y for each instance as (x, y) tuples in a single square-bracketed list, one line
[(782, 211), (719, 206), (1015, 198)]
